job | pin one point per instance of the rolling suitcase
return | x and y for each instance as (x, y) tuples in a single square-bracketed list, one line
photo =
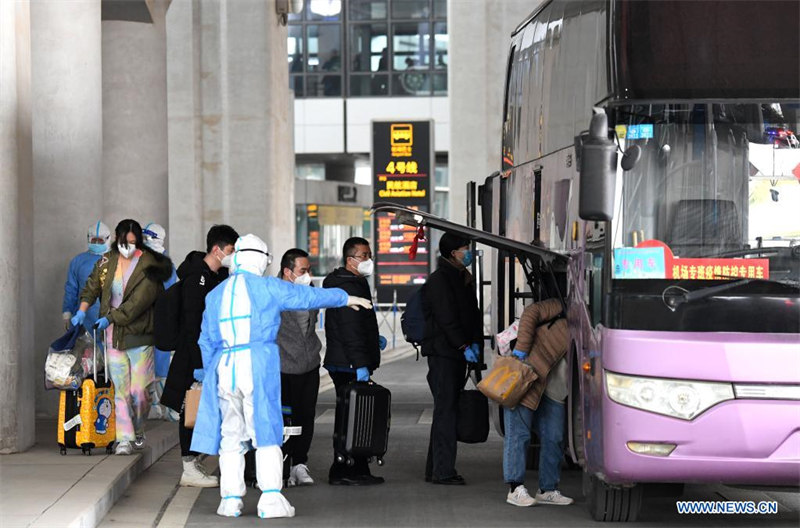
[(86, 415), (363, 427)]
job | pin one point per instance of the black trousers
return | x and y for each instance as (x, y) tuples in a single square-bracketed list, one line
[(361, 465), (446, 379), (300, 391), (185, 437)]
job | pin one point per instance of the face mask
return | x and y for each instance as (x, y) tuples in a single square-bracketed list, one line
[(126, 251), (467, 260), (302, 280), (98, 249), (366, 267), (226, 261)]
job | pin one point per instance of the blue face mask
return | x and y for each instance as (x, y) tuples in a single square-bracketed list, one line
[(467, 260), (98, 249)]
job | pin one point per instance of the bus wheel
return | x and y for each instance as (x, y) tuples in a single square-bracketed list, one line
[(612, 504)]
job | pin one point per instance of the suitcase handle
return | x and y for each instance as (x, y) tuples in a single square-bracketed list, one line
[(94, 356)]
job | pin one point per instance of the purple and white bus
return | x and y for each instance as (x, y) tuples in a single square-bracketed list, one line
[(679, 214)]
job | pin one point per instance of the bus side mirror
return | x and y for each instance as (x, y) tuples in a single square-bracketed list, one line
[(596, 157)]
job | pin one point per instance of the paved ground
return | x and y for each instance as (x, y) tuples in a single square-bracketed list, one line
[(405, 499)]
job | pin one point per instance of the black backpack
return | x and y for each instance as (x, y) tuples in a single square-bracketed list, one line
[(167, 318), (412, 322)]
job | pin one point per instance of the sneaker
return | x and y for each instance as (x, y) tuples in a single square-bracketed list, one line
[(520, 497), (138, 444), (195, 476), (553, 497), (230, 507), (123, 448), (298, 476)]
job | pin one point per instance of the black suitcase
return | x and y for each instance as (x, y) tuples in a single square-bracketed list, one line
[(362, 430)]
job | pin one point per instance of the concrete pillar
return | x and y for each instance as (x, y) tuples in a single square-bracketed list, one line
[(67, 156), (134, 54), (480, 35), (230, 157), (17, 392)]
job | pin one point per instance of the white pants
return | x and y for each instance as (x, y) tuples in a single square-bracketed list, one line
[(235, 391)]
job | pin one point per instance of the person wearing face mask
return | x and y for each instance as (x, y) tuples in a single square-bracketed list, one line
[(453, 333), (127, 280), (199, 273), (300, 356), (80, 267), (240, 404), (353, 348)]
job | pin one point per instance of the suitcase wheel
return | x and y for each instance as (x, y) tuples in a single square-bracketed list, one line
[(350, 461), (380, 461), (109, 449), (86, 451), (63, 450)]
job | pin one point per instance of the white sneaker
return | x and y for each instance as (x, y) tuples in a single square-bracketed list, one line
[(553, 497), (195, 476), (123, 448), (298, 476), (520, 497), (230, 507)]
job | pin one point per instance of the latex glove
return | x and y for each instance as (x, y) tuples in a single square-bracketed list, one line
[(67, 316), (520, 355), (471, 355), (362, 374), (382, 342), (356, 303), (102, 323), (199, 374), (78, 318)]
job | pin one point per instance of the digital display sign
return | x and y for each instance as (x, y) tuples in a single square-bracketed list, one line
[(402, 166)]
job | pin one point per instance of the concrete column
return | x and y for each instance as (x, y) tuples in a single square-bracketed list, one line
[(17, 393), (134, 51), (67, 156), (480, 35), (231, 158)]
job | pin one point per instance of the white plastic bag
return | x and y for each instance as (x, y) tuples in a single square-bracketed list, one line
[(504, 339)]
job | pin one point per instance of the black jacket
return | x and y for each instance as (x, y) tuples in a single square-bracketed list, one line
[(196, 281), (352, 336), (452, 316)]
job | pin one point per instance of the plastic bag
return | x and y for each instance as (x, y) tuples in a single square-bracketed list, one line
[(504, 339), (70, 360)]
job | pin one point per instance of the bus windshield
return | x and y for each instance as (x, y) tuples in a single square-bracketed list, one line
[(715, 183)]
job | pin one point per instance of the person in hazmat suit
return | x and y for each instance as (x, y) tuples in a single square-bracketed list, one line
[(80, 267), (240, 404)]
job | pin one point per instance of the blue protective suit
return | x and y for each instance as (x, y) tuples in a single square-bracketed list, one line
[(80, 268), (269, 296)]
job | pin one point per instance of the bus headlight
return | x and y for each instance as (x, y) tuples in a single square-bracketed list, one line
[(683, 399)]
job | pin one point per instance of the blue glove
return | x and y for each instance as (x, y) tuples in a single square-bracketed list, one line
[(520, 355), (199, 374), (471, 353), (102, 323), (362, 374), (382, 342), (78, 318)]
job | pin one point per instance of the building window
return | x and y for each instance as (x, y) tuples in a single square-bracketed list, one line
[(369, 48)]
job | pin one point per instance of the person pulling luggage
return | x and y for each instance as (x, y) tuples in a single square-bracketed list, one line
[(241, 398)]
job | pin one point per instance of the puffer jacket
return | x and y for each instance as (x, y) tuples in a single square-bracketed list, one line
[(543, 333), (452, 316), (351, 336), (133, 320)]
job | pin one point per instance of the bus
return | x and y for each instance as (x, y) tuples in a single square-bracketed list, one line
[(679, 211)]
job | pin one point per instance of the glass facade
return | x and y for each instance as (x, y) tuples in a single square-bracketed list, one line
[(355, 48)]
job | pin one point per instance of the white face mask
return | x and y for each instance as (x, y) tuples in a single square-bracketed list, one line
[(366, 267), (126, 251), (226, 261), (302, 280)]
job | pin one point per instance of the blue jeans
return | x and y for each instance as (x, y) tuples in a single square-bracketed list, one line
[(549, 422)]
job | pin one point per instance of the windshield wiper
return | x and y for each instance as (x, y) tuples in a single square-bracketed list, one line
[(685, 296)]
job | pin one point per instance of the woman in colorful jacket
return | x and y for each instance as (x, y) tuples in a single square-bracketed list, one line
[(127, 280)]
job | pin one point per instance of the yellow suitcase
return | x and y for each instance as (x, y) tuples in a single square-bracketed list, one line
[(86, 415)]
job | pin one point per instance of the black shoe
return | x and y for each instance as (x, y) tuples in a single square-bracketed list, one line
[(369, 480), (359, 480), (428, 478), (455, 480)]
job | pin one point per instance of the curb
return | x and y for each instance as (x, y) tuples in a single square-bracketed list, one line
[(89, 500)]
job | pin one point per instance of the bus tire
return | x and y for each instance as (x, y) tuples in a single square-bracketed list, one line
[(613, 504), (575, 407)]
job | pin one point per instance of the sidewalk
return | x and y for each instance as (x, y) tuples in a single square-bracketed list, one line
[(41, 488)]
